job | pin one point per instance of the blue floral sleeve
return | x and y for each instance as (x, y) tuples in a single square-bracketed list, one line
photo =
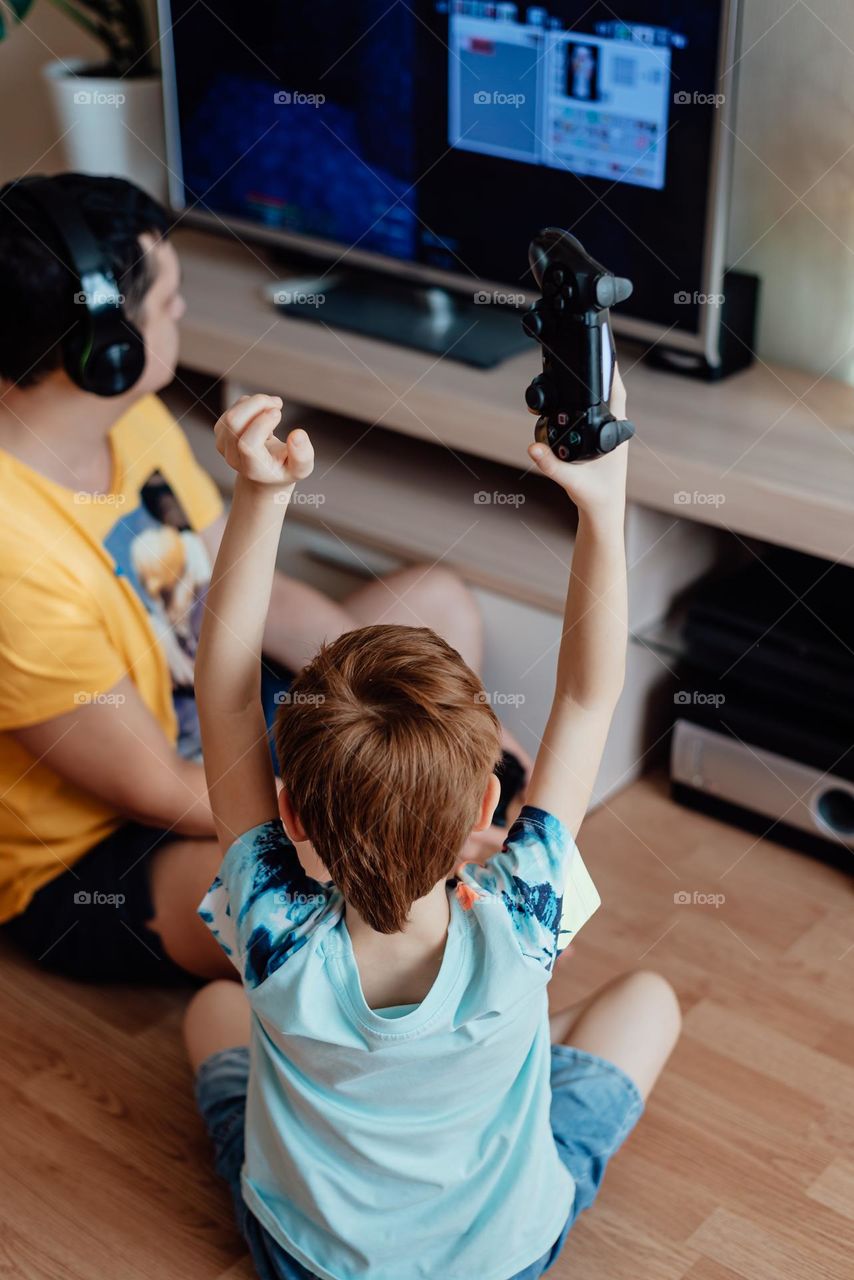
[(541, 881), (262, 906)]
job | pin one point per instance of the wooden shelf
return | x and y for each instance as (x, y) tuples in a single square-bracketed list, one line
[(371, 486), (768, 453)]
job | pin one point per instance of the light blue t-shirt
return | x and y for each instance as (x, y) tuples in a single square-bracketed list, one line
[(413, 1142)]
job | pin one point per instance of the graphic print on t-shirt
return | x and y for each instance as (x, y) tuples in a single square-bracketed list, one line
[(157, 550)]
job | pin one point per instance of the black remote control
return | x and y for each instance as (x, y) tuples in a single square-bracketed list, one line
[(571, 323)]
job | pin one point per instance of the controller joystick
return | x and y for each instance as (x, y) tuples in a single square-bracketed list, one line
[(572, 324)]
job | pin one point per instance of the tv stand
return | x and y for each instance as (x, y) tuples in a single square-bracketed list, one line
[(472, 329)]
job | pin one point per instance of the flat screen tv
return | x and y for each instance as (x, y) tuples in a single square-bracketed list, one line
[(433, 139)]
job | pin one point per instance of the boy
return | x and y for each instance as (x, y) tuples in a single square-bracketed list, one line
[(401, 1107)]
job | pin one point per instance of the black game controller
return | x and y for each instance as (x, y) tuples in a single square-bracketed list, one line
[(571, 323)]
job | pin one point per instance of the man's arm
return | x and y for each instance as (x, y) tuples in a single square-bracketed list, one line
[(592, 656), (241, 784), (115, 749)]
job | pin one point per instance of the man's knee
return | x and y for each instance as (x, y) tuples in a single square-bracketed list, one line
[(442, 593), (181, 873)]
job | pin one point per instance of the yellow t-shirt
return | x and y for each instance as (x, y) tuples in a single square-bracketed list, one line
[(94, 587)]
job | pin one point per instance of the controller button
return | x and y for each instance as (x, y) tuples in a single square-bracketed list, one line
[(532, 323), (539, 394), (608, 437), (562, 451)]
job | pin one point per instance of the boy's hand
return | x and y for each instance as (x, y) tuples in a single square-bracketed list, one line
[(244, 437), (593, 486)]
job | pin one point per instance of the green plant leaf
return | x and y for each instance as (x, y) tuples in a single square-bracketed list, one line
[(17, 8)]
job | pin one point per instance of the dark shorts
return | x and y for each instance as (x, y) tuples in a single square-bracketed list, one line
[(91, 922), (594, 1108)]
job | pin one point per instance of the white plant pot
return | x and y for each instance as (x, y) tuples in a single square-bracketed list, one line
[(109, 126)]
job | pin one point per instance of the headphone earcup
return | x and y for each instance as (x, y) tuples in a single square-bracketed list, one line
[(108, 368)]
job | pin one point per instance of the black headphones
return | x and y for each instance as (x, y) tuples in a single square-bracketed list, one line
[(104, 353)]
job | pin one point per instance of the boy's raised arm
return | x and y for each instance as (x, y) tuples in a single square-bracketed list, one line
[(592, 656), (241, 784)]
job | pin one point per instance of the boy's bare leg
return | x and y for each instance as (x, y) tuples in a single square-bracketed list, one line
[(181, 874), (633, 1022), (216, 1018)]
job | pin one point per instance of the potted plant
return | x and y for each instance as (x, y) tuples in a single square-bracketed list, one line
[(109, 112)]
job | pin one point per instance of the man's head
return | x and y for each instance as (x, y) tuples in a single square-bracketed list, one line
[(39, 294), (387, 748)]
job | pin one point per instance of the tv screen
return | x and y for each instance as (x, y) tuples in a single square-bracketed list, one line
[(443, 135)]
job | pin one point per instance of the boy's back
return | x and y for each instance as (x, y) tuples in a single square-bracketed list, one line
[(398, 1142)]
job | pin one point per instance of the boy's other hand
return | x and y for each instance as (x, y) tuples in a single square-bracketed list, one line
[(245, 438), (595, 486)]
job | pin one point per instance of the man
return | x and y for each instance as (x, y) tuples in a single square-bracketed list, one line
[(107, 533)]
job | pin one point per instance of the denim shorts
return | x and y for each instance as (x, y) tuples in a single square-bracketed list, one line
[(594, 1108)]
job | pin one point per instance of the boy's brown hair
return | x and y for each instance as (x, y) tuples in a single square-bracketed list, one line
[(385, 743)]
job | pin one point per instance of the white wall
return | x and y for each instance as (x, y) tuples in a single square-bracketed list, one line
[(793, 196), (792, 219)]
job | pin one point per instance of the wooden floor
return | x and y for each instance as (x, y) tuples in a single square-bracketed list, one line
[(742, 1169)]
